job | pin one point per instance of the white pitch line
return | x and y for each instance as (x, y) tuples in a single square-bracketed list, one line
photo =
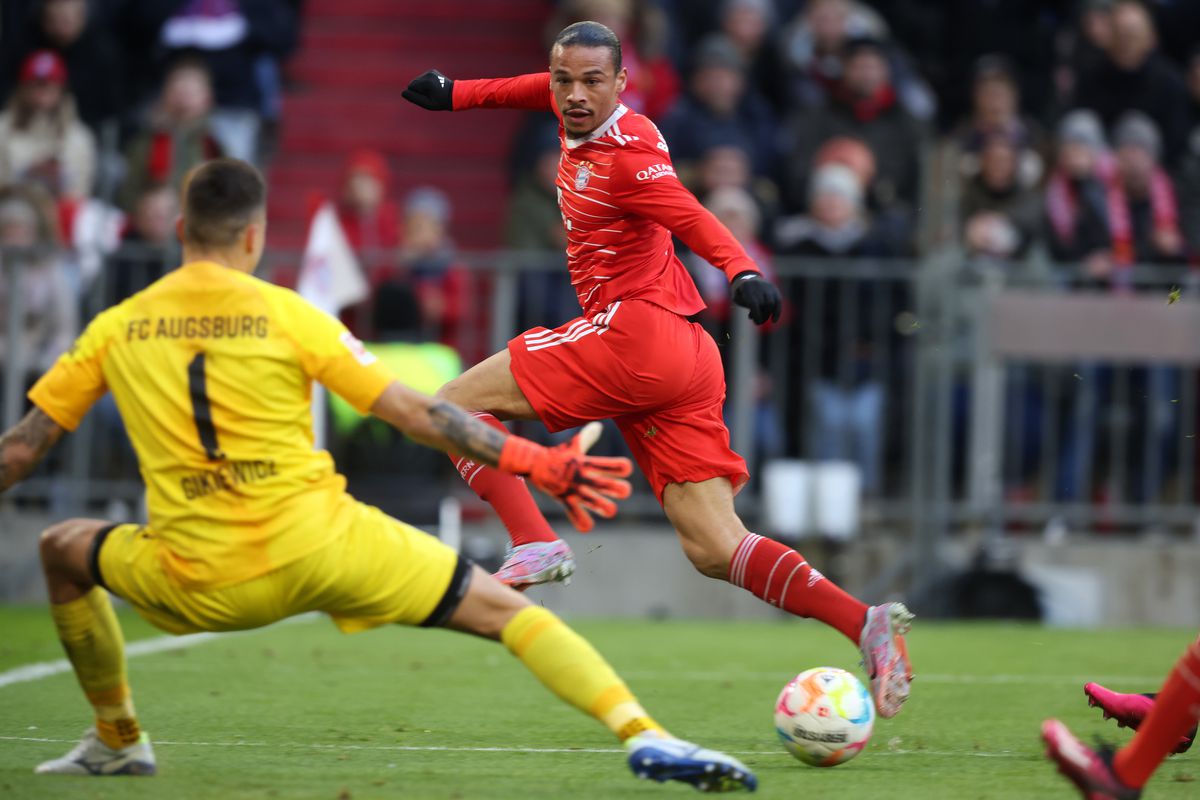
[(142, 647), (448, 749)]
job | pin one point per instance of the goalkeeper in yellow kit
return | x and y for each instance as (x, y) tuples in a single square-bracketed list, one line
[(212, 371)]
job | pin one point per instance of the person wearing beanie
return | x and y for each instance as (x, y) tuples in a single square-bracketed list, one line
[(1144, 215), (1077, 209), (42, 139)]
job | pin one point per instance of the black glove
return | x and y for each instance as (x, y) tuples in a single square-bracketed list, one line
[(431, 90), (753, 291)]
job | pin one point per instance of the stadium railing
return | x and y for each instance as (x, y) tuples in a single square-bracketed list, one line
[(968, 394)]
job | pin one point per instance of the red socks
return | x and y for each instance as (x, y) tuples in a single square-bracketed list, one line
[(1176, 711), (779, 575), (507, 494)]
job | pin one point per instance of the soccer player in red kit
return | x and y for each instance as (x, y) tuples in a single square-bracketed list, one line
[(1165, 723), (633, 356)]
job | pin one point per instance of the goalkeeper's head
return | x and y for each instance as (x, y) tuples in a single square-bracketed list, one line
[(224, 214), (586, 76)]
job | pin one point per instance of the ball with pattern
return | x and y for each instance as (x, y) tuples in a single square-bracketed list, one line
[(824, 716)]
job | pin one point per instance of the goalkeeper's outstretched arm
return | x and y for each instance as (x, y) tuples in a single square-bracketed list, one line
[(23, 446)]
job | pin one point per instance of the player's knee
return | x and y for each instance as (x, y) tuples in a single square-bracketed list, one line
[(59, 540), (707, 560)]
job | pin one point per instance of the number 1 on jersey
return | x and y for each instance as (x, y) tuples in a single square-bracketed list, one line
[(201, 410)]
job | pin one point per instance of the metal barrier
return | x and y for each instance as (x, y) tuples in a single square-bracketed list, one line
[(962, 402)]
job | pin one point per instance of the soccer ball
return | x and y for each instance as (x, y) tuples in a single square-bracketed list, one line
[(824, 716)]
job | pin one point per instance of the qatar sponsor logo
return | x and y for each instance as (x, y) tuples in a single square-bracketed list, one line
[(656, 171), (583, 175)]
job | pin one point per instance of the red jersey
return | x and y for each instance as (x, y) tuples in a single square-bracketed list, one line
[(620, 202)]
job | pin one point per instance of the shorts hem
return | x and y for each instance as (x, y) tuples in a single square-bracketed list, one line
[(93, 557), (525, 383), (736, 479), (460, 582)]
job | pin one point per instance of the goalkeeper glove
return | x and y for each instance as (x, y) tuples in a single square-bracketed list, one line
[(431, 90), (753, 291), (580, 482)]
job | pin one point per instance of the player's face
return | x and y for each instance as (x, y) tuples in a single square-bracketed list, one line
[(585, 87)]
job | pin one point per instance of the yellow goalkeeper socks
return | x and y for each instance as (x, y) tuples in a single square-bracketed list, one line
[(90, 634), (571, 668)]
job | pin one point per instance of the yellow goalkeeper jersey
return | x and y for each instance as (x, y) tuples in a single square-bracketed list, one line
[(212, 371)]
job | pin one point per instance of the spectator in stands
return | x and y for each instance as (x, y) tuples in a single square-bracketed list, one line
[(749, 24), (1188, 182), (862, 107), (836, 224), (369, 217), (720, 108), (241, 42), (1083, 50), (535, 224), (179, 135), (148, 243), (847, 397), (816, 43), (1077, 197), (1001, 216), (48, 319), (534, 220), (738, 211), (816, 49), (91, 54), (996, 112), (432, 269), (1136, 76), (41, 137), (1144, 219), (724, 166)]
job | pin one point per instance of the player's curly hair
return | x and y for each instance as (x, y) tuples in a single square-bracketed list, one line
[(591, 34)]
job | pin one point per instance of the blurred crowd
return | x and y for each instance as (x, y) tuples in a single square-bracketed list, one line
[(105, 106), (1064, 133)]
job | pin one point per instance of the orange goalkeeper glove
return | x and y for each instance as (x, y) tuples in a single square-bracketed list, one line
[(580, 482)]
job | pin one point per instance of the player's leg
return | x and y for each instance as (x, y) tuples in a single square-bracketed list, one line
[(566, 664), (1129, 710), (1122, 774), (718, 544), (91, 636), (537, 554), (391, 573)]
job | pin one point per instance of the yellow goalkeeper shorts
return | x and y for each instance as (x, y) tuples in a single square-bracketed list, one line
[(379, 571)]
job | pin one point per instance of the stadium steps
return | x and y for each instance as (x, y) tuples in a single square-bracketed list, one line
[(355, 58)]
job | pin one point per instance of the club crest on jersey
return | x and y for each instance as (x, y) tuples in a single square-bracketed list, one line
[(583, 175)]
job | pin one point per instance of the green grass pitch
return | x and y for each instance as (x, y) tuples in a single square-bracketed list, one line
[(301, 711)]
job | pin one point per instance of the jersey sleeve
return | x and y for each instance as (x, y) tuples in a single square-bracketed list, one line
[(530, 92), (644, 183), (331, 355), (76, 380)]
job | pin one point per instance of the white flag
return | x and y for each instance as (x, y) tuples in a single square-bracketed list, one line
[(330, 277)]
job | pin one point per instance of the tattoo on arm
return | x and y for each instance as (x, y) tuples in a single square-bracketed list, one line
[(466, 434), (24, 445)]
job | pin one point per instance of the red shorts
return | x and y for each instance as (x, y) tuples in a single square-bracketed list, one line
[(658, 376)]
